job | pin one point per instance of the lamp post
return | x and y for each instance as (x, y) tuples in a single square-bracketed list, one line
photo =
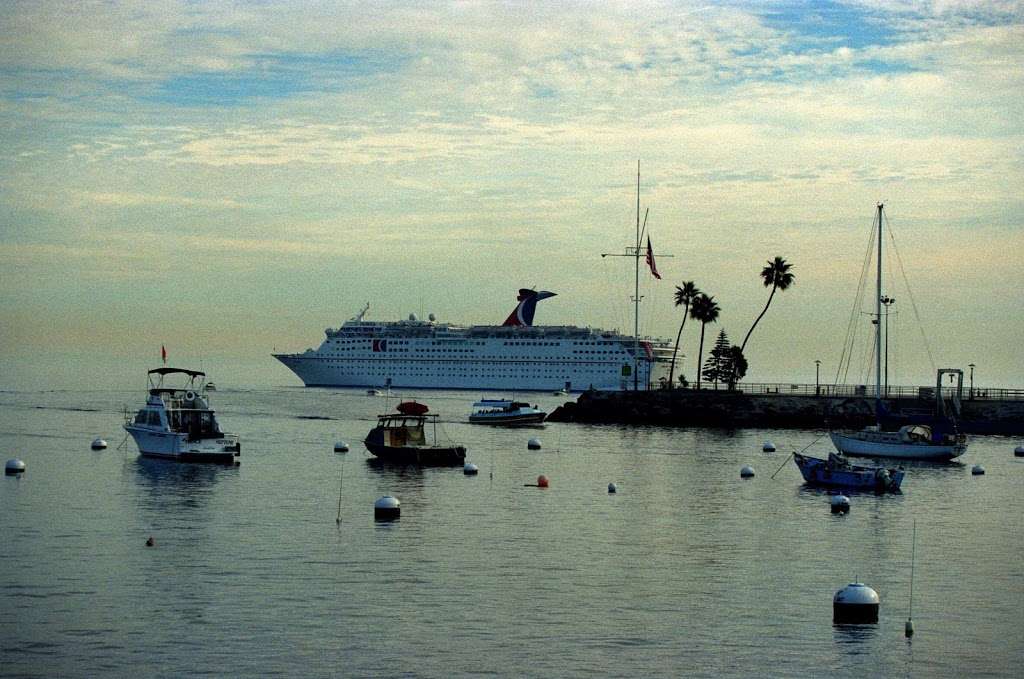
[(887, 301), (971, 396), (817, 377)]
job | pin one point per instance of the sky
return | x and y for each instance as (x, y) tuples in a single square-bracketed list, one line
[(228, 179)]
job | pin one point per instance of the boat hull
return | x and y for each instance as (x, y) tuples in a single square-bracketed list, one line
[(818, 472), (421, 456), (509, 420), (878, 444), (176, 446)]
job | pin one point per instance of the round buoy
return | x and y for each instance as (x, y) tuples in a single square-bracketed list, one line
[(542, 481), (387, 508), (840, 504), (533, 444), (747, 472), (855, 604), (99, 444), (977, 470), (1019, 451), (768, 447), (14, 466), (612, 488), (470, 469), (341, 447), (150, 542)]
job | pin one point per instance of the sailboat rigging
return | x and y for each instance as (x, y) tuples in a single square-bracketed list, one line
[(914, 441)]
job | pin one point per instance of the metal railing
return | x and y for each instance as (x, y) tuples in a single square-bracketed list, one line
[(863, 390)]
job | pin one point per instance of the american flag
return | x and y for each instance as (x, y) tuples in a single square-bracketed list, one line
[(650, 260)]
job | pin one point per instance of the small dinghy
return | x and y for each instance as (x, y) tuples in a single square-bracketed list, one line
[(837, 472)]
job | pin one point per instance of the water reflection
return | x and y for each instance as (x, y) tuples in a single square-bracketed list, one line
[(853, 635), (168, 485)]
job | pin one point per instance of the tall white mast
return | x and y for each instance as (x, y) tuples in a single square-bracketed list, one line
[(878, 323)]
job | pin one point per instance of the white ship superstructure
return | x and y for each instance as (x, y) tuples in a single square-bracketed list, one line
[(515, 356)]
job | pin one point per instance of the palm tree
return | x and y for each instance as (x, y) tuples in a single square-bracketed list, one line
[(685, 295), (777, 275), (705, 310)]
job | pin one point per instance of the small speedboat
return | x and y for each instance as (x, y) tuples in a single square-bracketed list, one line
[(178, 423), (210, 386), (400, 438), (505, 412), (837, 472)]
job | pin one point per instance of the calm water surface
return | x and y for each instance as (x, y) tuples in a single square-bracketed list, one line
[(687, 571)]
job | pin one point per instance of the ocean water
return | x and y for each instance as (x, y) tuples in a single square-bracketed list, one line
[(688, 570)]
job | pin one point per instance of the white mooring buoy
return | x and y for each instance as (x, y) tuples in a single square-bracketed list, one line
[(1018, 451), (612, 488), (341, 447), (768, 447), (533, 444), (840, 504), (470, 469), (855, 604), (387, 508), (14, 466), (747, 472), (977, 470), (99, 444)]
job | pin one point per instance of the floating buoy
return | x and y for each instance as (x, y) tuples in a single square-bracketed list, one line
[(533, 444), (98, 444), (977, 470), (612, 488), (150, 542), (387, 508), (840, 504), (908, 629), (14, 466), (747, 472), (768, 447), (855, 604), (1019, 451), (341, 447), (542, 481), (470, 469)]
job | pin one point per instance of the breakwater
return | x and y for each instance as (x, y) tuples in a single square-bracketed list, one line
[(778, 409)]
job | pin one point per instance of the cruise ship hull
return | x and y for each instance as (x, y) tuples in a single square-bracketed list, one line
[(316, 371)]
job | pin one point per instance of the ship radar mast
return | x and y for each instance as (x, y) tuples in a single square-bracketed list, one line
[(359, 316)]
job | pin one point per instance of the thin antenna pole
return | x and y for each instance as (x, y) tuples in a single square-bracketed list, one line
[(636, 289)]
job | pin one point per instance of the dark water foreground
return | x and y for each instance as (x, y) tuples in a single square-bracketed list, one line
[(687, 571), (723, 408)]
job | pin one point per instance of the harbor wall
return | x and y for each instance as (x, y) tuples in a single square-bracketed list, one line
[(736, 409)]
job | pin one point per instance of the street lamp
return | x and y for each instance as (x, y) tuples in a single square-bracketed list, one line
[(817, 377), (887, 301), (971, 366)]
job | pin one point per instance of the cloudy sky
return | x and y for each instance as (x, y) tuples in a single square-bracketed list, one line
[(230, 178)]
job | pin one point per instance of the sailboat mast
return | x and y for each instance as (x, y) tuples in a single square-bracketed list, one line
[(878, 322), (636, 288)]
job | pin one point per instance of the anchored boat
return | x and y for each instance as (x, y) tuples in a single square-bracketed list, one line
[(178, 423), (400, 438), (837, 472), (505, 412)]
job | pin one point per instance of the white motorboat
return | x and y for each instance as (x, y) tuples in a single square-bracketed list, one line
[(178, 423), (505, 412)]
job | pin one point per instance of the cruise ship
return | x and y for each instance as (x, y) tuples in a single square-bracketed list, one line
[(516, 355)]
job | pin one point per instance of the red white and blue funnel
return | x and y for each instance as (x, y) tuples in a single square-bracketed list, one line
[(522, 315)]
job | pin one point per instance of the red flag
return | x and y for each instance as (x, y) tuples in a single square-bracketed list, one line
[(650, 260), (163, 354)]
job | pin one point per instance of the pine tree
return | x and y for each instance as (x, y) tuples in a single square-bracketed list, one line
[(718, 367)]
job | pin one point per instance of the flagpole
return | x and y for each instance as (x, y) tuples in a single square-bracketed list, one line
[(635, 254), (636, 288)]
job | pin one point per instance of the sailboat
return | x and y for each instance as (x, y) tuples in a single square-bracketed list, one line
[(912, 441)]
